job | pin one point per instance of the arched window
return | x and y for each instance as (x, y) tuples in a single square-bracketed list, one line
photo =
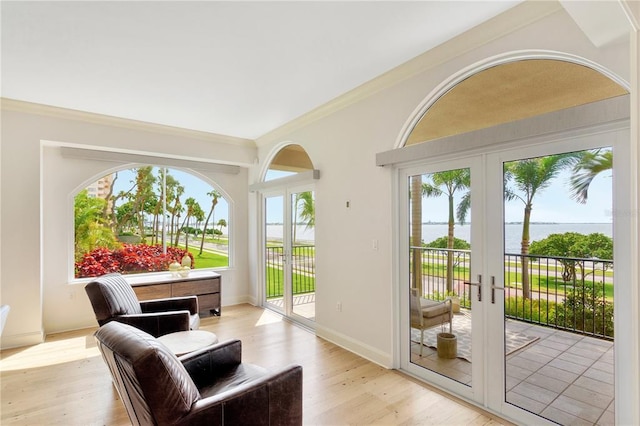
[(288, 161), (125, 223)]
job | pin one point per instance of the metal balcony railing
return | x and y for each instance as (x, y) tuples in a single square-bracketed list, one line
[(573, 294), (302, 270)]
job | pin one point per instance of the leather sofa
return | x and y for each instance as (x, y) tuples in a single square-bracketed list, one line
[(211, 386), (113, 299)]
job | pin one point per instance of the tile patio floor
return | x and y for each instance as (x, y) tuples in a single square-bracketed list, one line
[(303, 305), (564, 377)]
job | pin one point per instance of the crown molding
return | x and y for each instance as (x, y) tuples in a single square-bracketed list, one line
[(108, 120), (511, 20)]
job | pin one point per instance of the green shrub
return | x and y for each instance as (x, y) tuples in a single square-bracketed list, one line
[(442, 242), (585, 309), (536, 310)]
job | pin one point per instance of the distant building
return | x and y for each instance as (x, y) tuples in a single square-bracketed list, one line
[(101, 189)]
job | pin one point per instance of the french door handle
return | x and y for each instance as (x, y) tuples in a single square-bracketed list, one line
[(493, 289), (479, 285)]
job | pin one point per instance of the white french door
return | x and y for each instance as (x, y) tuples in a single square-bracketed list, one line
[(489, 369), (289, 253), (430, 194)]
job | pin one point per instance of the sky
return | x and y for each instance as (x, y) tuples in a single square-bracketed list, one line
[(553, 204)]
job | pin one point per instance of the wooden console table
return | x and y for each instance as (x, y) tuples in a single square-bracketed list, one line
[(206, 285)]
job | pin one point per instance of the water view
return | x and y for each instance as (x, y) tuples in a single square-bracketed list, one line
[(513, 232)]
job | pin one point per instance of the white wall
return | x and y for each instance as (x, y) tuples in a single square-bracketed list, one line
[(37, 208), (342, 144)]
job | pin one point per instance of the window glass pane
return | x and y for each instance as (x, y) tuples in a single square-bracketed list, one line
[(124, 223)]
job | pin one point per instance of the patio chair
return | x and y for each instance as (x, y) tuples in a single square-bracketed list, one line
[(426, 313), (113, 299)]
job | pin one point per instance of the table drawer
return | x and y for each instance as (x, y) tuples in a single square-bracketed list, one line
[(188, 288), (148, 292), (207, 302)]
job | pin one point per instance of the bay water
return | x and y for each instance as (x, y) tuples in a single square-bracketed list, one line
[(513, 232)]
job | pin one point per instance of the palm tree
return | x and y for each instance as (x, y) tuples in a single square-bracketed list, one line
[(140, 200), (448, 183), (214, 201), (221, 223), (530, 177), (303, 204), (192, 206), (588, 166), (176, 210), (143, 196)]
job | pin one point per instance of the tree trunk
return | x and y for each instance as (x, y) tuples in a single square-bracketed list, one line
[(524, 251), (416, 233), (204, 231), (186, 234), (450, 242)]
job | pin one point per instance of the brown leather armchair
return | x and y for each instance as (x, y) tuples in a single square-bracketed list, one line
[(113, 299), (211, 386)]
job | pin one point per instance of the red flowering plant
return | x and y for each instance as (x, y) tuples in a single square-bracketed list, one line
[(130, 259)]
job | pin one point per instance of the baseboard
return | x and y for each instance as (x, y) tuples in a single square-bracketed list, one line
[(239, 301), (370, 353), (20, 340)]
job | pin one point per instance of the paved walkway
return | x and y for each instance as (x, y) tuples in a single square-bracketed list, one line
[(564, 377)]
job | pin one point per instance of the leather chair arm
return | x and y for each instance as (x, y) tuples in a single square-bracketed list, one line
[(189, 303), (158, 323), (275, 399), (206, 364)]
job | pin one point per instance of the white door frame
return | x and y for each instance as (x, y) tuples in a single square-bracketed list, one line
[(624, 199), (475, 391), (285, 191)]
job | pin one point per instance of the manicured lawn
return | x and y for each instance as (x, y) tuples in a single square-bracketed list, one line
[(208, 259), (543, 284), (275, 282)]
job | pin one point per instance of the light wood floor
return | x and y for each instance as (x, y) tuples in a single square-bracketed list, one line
[(65, 382)]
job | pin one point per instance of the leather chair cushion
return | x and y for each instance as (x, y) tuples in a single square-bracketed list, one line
[(232, 378)]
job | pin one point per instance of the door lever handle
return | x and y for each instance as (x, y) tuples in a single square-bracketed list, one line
[(493, 289), (479, 285)]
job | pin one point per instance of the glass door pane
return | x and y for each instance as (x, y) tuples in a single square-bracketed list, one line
[(439, 286), (558, 286), (274, 253), (303, 280)]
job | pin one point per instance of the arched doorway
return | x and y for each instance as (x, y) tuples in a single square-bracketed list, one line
[(289, 284), (507, 133)]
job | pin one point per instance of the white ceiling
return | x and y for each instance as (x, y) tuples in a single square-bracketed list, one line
[(233, 68)]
